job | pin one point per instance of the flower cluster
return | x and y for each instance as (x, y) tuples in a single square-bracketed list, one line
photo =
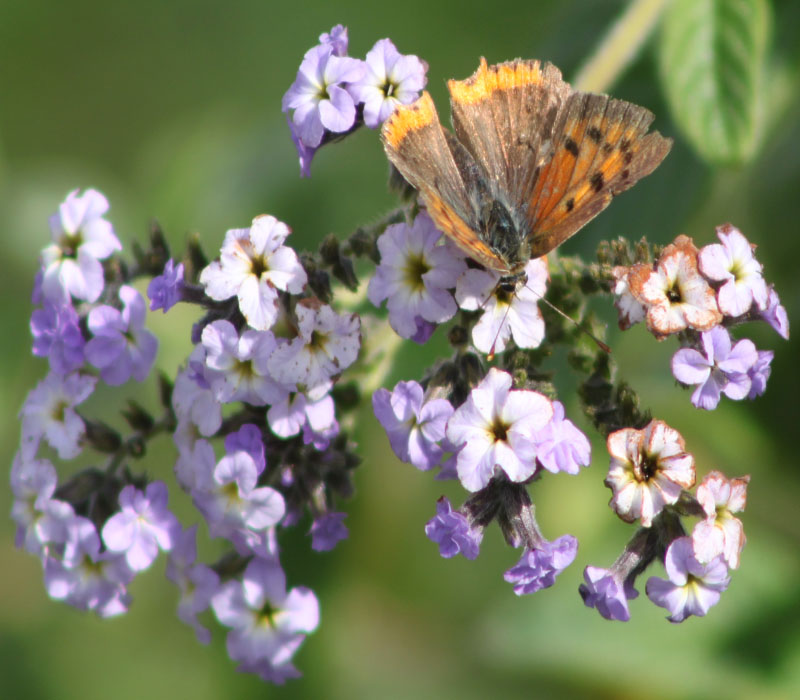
[(258, 381), (699, 295), (650, 477), (334, 94), (258, 411)]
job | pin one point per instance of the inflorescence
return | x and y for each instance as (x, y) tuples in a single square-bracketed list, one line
[(261, 409)]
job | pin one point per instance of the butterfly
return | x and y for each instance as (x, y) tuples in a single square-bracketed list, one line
[(531, 162)]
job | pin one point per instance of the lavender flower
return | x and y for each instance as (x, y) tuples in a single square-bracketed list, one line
[(775, 314), (337, 38), (759, 373), (692, 587), (142, 526), (604, 591), (81, 239), (57, 336), (389, 79), (505, 314), (327, 531), (451, 530), (560, 446), (496, 426), (721, 533), (415, 429), (165, 290), (267, 623), (319, 96), (254, 266), (732, 263), (538, 568), (121, 347), (415, 275), (722, 369)]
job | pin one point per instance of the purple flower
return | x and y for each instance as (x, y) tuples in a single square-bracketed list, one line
[(692, 587), (57, 336), (505, 314), (327, 530), (337, 38), (254, 266), (721, 370), (81, 239), (414, 428), (49, 413), (85, 577), (496, 427), (775, 314), (237, 365), (759, 373), (319, 95), (121, 347), (604, 591), (417, 271), (538, 568), (267, 623), (733, 264), (165, 290), (41, 519), (305, 154), (296, 414), (389, 79), (192, 397), (198, 583), (247, 439), (142, 526), (450, 529), (560, 446)]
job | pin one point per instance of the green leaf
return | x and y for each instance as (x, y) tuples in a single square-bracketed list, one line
[(712, 57)]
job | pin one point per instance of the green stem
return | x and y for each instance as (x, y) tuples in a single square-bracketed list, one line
[(620, 46)]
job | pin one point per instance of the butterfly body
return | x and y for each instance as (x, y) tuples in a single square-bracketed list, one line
[(530, 163)]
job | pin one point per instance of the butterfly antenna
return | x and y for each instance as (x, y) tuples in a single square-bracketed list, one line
[(603, 346)]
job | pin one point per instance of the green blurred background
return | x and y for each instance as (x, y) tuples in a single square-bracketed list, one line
[(172, 109)]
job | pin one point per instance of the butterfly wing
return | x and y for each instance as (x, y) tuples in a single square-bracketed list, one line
[(601, 148), (417, 145)]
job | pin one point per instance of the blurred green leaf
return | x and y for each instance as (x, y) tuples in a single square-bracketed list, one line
[(712, 58)]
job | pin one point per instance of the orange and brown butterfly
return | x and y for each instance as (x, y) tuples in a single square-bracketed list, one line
[(531, 162)]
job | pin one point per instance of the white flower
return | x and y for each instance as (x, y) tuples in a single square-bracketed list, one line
[(254, 264)]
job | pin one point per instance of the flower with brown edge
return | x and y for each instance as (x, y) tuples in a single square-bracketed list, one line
[(720, 533), (649, 469), (674, 293), (628, 306)]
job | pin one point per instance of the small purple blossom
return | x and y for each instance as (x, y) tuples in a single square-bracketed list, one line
[(775, 314), (538, 567), (81, 239), (759, 373), (692, 587), (121, 347), (267, 623), (605, 592), (732, 263), (495, 428), (505, 314), (560, 446), (722, 369), (417, 271), (165, 290), (198, 583), (389, 79), (415, 429), (320, 95), (305, 154), (327, 531), (248, 439), (57, 336), (254, 266), (337, 39), (296, 414), (451, 530), (49, 413), (193, 398), (142, 526)]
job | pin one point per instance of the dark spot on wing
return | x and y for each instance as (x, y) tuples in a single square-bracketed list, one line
[(595, 134), (571, 146), (597, 181), (570, 204), (627, 158)]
